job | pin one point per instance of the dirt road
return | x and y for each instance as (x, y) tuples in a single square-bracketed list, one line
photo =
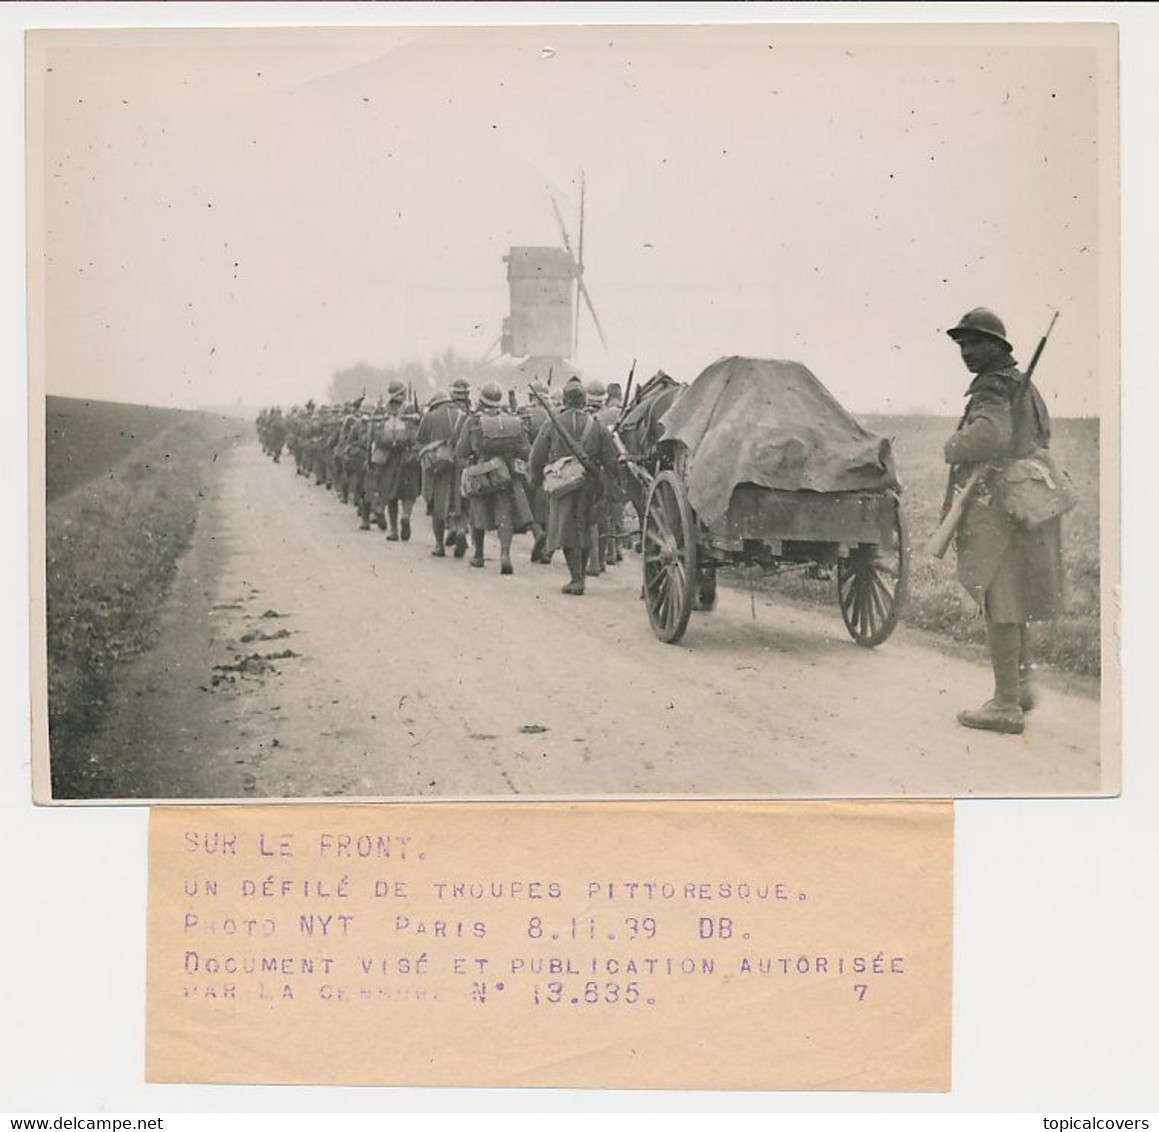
[(301, 657)]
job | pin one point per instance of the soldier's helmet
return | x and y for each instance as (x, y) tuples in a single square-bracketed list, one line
[(596, 394), (574, 394), (396, 390), (439, 397), (982, 321), (460, 387), (615, 389), (491, 395)]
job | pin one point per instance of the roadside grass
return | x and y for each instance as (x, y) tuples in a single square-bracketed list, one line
[(936, 602), (86, 439), (112, 546)]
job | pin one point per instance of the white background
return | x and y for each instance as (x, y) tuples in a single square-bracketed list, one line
[(1056, 908)]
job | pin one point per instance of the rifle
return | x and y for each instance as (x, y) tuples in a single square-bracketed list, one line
[(627, 397), (594, 471), (939, 542)]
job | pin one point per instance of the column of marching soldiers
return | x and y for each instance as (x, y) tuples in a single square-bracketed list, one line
[(490, 465)]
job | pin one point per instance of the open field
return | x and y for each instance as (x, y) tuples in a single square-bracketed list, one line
[(113, 543), (937, 603), (86, 439)]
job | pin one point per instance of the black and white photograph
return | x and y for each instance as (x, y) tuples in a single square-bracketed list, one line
[(612, 412)]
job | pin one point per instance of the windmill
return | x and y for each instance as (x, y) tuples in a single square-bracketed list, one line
[(547, 291)]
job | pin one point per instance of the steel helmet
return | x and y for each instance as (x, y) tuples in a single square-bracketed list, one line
[(574, 394), (491, 395), (460, 386), (396, 390), (982, 321), (439, 397), (596, 393)]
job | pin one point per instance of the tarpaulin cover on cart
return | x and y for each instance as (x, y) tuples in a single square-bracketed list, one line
[(771, 423)]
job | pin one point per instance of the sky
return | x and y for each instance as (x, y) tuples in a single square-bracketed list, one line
[(235, 214)]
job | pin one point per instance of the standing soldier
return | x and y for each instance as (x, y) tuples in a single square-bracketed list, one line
[(440, 479), (1014, 572), (569, 515), (492, 446), (396, 468)]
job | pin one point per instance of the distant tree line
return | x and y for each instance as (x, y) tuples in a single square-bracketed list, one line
[(424, 378)]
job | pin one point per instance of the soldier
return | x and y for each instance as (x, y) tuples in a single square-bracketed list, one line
[(461, 398), (569, 515), (596, 394), (338, 450), (492, 446), (276, 432), (534, 418), (356, 458), (461, 393), (1013, 572), (396, 469), (440, 476), (609, 417)]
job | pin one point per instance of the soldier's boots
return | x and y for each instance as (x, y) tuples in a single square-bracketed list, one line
[(994, 715), (1027, 692), (440, 550), (575, 563), (1003, 713), (392, 511), (505, 566), (477, 538), (404, 529), (460, 545)]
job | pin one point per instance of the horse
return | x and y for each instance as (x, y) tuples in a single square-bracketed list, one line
[(640, 433)]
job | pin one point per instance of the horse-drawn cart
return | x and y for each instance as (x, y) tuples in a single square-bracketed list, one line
[(755, 464)]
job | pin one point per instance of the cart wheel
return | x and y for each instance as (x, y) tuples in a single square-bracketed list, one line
[(669, 557), (872, 582)]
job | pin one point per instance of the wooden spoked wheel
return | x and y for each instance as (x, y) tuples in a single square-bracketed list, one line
[(670, 578), (872, 583)]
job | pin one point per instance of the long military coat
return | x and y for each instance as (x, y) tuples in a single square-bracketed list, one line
[(1015, 574), (569, 518), (441, 488), (490, 512), (396, 470)]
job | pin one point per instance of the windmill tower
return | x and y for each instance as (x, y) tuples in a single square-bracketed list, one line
[(547, 288)]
